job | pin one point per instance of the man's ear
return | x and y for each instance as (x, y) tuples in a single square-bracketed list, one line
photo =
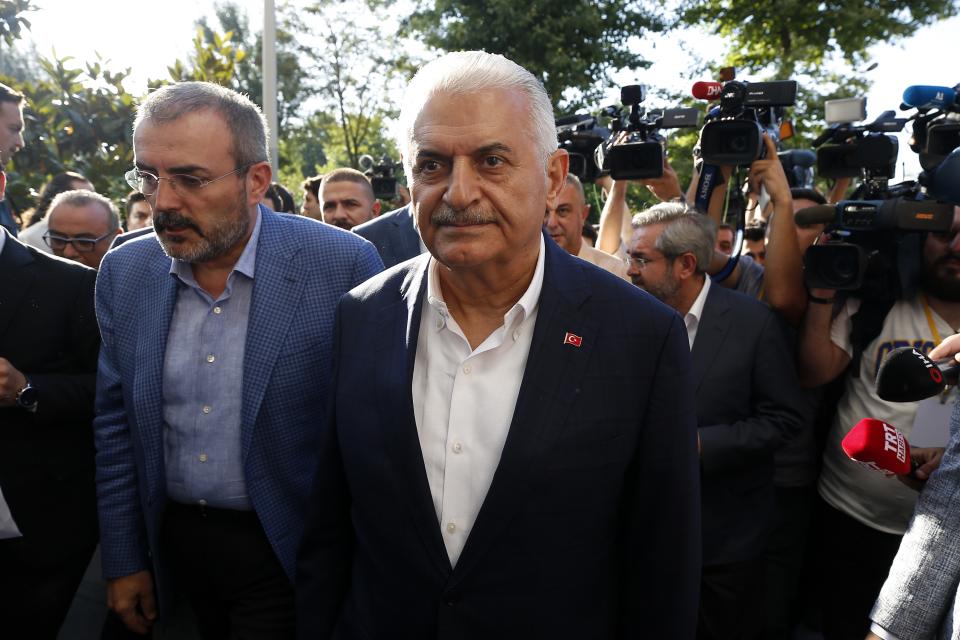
[(557, 166), (259, 177), (586, 215), (376, 208), (688, 265)]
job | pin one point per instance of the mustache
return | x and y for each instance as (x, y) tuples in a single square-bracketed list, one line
[(949, 256), (447, 215), (165, 219)]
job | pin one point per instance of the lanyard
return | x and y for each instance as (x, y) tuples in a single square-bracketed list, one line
[(930, 322)]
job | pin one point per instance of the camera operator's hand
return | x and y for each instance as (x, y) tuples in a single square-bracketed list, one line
[(768, 171), (667, 186)]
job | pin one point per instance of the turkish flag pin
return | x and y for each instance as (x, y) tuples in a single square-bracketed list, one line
[(572, 338)]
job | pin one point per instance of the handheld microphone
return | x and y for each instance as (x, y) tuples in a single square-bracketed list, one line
[(878, 446), (707, 90), (906, 375), (928, 97)]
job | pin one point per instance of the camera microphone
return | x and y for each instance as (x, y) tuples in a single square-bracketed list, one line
[(929, 97), (817, 214), (707, 90), (878, 446), (906, 375)]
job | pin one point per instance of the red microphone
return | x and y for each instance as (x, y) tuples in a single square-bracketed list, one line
[(707, 90), (878, 446)]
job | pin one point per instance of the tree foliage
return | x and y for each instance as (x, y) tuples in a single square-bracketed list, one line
[(12, 20), (79, 119), (573, 47)]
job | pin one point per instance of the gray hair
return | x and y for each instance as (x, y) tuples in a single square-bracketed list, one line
[(464, 72), (685, 231), (83, 198), (247, 125), (574, 181)]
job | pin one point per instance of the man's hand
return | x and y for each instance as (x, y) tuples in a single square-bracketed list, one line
[(873, 636), (667, 186), (11, 382), (950, 347), (926, 460), (131, 598), (769, 173)]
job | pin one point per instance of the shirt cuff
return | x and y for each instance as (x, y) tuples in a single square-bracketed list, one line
[(883, 633)]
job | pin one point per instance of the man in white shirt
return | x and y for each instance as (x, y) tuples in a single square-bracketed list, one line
[(564, 223), (748, 404), (521, 460)]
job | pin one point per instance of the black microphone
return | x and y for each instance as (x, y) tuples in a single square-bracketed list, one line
[(906, 375), (817, 214)]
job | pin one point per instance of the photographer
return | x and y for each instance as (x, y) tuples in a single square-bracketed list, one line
[(865, 514)]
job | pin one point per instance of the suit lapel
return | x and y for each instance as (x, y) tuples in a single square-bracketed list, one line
[(551, 382), (156, 299), (277, 287), (16, 279), (407, 233), (396, 349), (711, 330)]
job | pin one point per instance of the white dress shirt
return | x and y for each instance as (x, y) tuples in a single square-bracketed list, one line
[(464, 400), (692, 317)]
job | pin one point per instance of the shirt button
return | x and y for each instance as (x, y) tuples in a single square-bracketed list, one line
[(440, 323), (203, 457), (467, 369), (211, 357), (202, 503), (451, 527), (217, 310), (207, 408), (457, 447)]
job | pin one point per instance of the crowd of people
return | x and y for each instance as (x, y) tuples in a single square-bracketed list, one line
[(467, 417)]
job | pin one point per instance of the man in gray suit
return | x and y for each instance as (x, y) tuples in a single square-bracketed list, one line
[(919, 599), (748, 404)]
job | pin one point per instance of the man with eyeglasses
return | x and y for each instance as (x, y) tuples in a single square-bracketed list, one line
[(81, 226), (213, 376), (748, 404)]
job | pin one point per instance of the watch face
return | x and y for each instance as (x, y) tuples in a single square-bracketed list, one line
[(27, 396)]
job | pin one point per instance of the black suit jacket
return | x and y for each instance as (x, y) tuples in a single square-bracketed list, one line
[(394, 236), (49, 332), (590, 528), (748, 404)]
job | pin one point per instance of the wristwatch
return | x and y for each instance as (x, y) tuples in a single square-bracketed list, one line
[(27, 397)]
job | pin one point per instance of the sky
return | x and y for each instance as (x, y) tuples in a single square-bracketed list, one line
[(147, 36)]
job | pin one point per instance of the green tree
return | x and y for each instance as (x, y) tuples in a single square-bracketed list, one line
[(12, 20), (573, 47), (77, 118)]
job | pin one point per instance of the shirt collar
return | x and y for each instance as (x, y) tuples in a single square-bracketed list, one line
[(696, 309), (523, 308), (245, 264), (3, 238)]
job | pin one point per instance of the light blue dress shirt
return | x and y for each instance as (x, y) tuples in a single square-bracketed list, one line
[(203, 386)]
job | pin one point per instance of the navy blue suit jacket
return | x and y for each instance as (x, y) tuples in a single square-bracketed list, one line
[(302, 269), (591, 526), (394, 236)]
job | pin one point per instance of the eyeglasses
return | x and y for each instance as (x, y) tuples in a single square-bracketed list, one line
[(147, 183), (641, 263), (81, 245)]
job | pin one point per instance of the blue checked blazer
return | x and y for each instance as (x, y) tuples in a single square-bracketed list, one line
[(591, 526), (919, 600), (303, 267)]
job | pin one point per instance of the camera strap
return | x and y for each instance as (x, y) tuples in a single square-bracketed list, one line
[(709, 174)]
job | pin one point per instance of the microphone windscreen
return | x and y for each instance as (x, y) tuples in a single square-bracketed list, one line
[(878, 446), (817, 214), (924, 96), (906, 375), (707, 90)]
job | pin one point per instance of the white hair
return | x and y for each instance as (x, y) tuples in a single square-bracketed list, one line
[(465, 72)]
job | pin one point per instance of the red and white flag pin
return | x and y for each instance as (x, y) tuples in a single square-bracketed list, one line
[(572, 338)]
